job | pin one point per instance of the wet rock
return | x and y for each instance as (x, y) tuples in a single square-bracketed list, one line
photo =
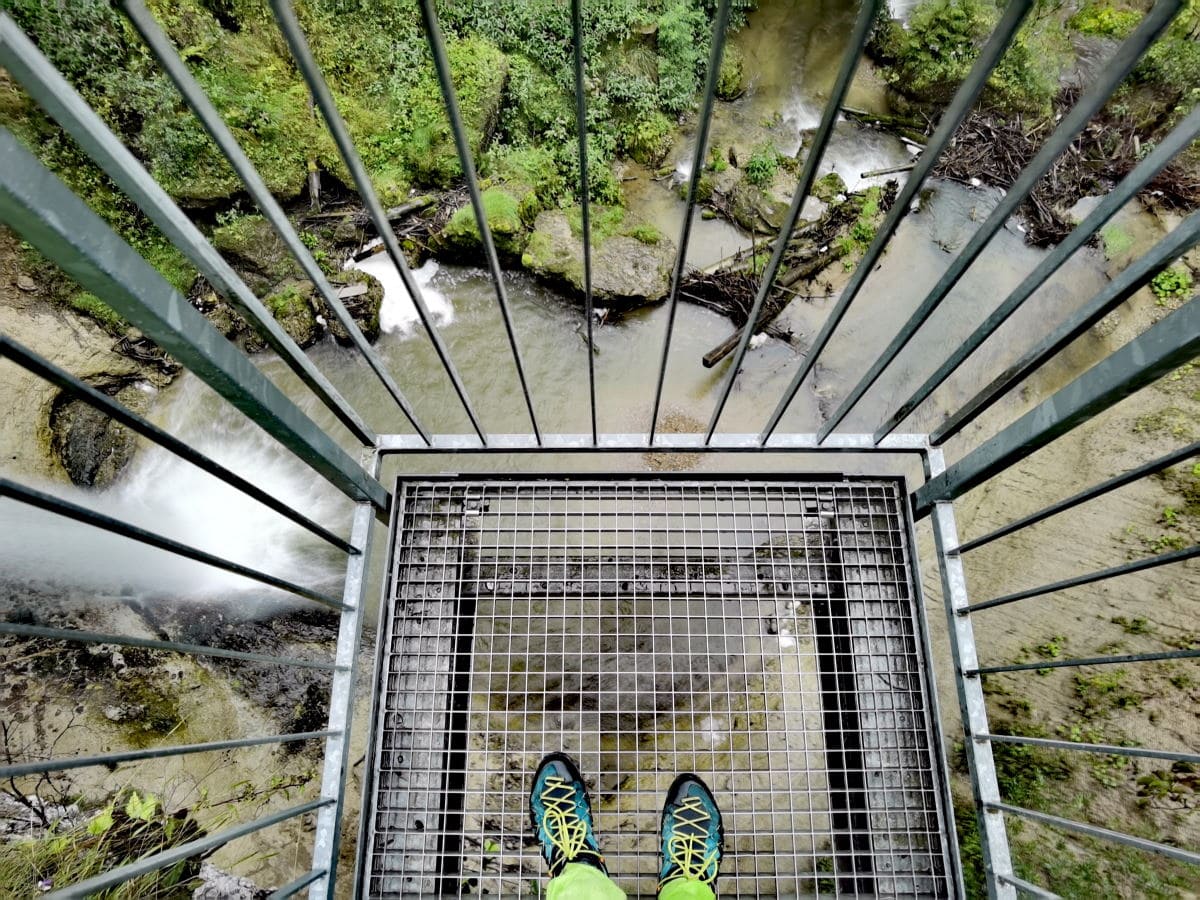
[(762, 209), (91, 447), (292, 305), (829, 187), (625, 270), (363, 306)]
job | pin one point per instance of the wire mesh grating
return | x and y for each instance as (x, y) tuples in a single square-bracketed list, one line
[(759, 633)]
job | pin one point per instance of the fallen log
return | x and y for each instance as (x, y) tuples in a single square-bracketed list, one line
[(891, 170)]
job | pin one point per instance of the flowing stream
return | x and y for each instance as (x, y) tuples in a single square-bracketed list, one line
[(791, 51)]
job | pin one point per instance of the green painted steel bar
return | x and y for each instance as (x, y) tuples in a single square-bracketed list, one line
[(585, 203), (1141, 565), (441, 63), (716, 54), (63, 103), (153, 863), (1135, 181), (1166, 345), (1088, 661), (43, 368), (290, 28), (1098, 94), (964, 99), (69, 510), (294, 887), (833, 108), (1109, 749), (1156, 465), (18, 770), (1097, 832), (93, 637), (1135, 276), (160, 45), (43, 211)]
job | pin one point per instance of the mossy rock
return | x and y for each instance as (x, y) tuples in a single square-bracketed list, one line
[(828, 187), (291, 303), (762, 209), (256, 252), (363, 307), (628, 268), (503, 212)]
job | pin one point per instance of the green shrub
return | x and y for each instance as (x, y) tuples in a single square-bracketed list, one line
[(683, 42), (1101, 18), (647, 234), (648, 140), (731, 81), (762, 164), (1175, 282)]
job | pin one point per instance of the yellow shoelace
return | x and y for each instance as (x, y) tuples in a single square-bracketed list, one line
[(684, 849), (566, 831)]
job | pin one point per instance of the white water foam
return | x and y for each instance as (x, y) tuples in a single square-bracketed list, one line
[(163, 494), (398, 314)]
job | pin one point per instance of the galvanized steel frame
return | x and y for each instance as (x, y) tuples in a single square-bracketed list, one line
[(47, 215)]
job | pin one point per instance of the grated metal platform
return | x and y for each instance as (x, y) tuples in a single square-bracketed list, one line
[(760, 633)]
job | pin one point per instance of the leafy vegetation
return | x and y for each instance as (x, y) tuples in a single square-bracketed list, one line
[(762, 164), (1102, 18), (1172, 283)]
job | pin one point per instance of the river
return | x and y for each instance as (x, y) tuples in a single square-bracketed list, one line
[(791, 50)]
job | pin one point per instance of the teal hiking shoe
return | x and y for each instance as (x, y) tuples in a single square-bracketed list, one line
[(562, 815), (692, 834)]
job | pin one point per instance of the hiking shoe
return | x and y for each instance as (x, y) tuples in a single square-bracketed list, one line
[(692, 835), (562, 815)]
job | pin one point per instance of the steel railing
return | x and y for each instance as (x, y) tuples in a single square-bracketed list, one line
[(37, 206)]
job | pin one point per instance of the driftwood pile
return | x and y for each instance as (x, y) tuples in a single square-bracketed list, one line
[(995, 150)]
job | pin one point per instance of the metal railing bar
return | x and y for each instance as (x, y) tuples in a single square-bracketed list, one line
[(1098, 832), (972, 705), (667, 443), (327, 836), (93, 637), (585, 202), (1087, 661), (1156, 465), (69, 510), (1121, 64), (44, 211), (160, 45), (58, 98), (1135, 181), (829, 117), (285, 17), (1129, 281), (1166, 345), (146, 865), (294, 887), (17, 770), (1152, 562), (964, 99), (29, 360), (1139, 752), (716, 54), (441, 63), (1029, 887)]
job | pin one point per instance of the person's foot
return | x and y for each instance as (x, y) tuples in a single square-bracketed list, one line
[(692, 834), (562, 815)]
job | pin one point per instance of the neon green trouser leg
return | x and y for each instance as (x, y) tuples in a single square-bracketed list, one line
[(583, 882), (580, 881)]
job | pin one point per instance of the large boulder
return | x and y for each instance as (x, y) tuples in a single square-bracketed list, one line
[(630, 267), (292, 305), (91, 447), (362, 295), (461, 235), (762, 208)]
